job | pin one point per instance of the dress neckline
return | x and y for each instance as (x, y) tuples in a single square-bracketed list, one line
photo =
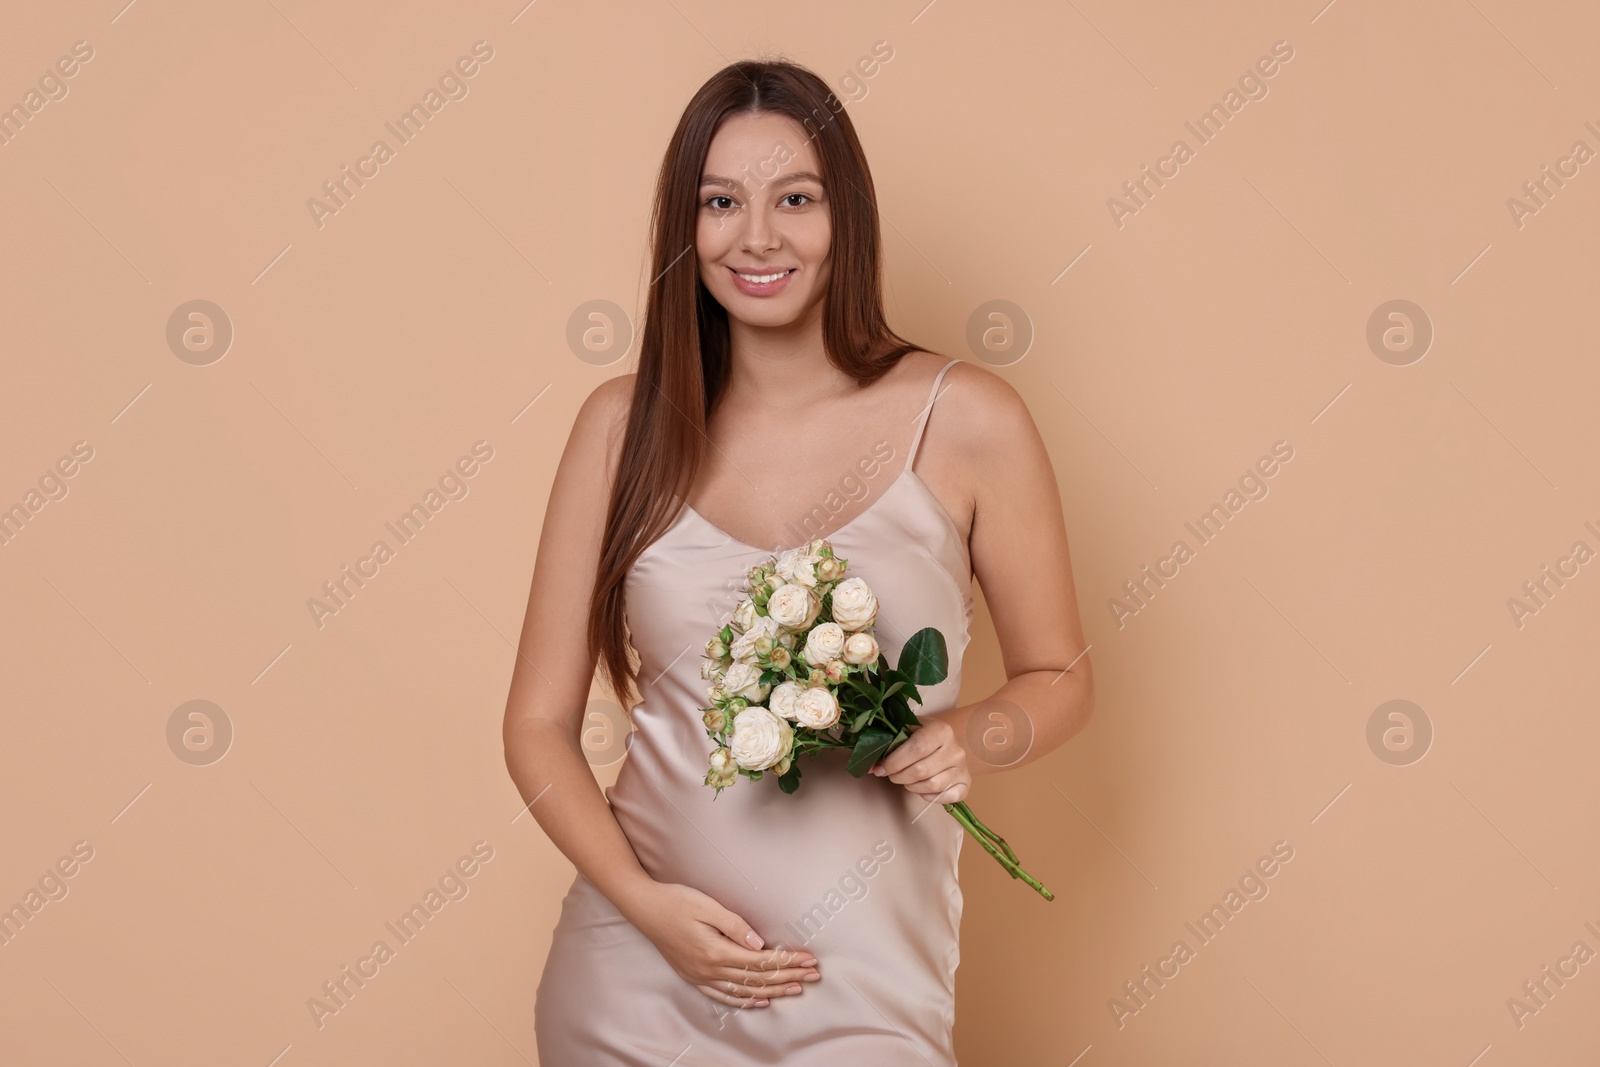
[(943, 513), (907, 471)]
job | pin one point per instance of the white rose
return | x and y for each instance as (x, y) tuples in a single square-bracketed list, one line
[(760, 738), (800, 565), (709, 667), (744, 646), (784, 564), (794, 606), (805, 571), (817, 709), (744, 615), (744, 680), (854, 606), (824, 643), (783, 698), (861, 648)]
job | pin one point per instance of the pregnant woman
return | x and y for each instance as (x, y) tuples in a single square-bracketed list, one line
[(773, 405)]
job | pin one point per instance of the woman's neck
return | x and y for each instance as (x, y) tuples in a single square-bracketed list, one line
[(789, 364)]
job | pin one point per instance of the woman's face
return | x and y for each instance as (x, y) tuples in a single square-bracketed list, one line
[(764, 232)]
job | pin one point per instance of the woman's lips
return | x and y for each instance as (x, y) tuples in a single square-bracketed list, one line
[(772, 288)]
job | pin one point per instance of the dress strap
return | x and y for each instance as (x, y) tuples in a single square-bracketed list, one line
[(927, 410)]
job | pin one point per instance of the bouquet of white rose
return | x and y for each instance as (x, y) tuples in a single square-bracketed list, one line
[(798, 671)]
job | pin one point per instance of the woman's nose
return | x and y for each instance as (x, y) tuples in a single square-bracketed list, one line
[(759, 235)]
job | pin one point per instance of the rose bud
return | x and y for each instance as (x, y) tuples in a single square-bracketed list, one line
[(861, 648)]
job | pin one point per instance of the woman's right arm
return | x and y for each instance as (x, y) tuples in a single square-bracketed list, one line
[(544, 718)]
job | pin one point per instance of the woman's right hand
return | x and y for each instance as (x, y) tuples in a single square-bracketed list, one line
[(714, 950)]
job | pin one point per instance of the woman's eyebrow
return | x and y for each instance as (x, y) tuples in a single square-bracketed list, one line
[(786, 179)]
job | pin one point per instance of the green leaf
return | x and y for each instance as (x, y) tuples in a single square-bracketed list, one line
[(862, 720), (871, 744), (924, 658), (789, 780), (855, 681), (898, 711), (900, 683)]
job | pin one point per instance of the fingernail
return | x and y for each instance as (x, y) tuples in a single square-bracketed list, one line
[(792, 990), (761, 1003), (753, 939), (812, 977)]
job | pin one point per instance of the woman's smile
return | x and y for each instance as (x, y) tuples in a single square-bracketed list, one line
[(761, 283)]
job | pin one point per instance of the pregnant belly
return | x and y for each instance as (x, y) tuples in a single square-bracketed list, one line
[(841, 855)]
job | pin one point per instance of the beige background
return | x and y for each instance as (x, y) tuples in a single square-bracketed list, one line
[(429, 313)]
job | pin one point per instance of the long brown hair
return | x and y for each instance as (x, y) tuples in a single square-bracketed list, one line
[(684, 358)]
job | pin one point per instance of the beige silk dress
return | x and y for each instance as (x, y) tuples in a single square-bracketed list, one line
[(859, 871)]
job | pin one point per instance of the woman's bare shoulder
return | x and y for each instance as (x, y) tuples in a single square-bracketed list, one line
[(607, 404), (603, 416), (982, 411), (594, 445)]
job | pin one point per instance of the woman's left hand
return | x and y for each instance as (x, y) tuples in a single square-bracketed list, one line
[(932, 763)]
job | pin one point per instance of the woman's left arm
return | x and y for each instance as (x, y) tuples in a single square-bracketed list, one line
[(1019, 553)]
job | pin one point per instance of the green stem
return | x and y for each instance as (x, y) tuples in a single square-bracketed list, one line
[(990, 834), (992, 842), (987, 838)]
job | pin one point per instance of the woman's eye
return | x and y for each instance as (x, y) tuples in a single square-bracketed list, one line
[(802, 196), (712, 202)]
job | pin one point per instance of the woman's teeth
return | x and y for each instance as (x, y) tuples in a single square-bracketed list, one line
[(759, 278)]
